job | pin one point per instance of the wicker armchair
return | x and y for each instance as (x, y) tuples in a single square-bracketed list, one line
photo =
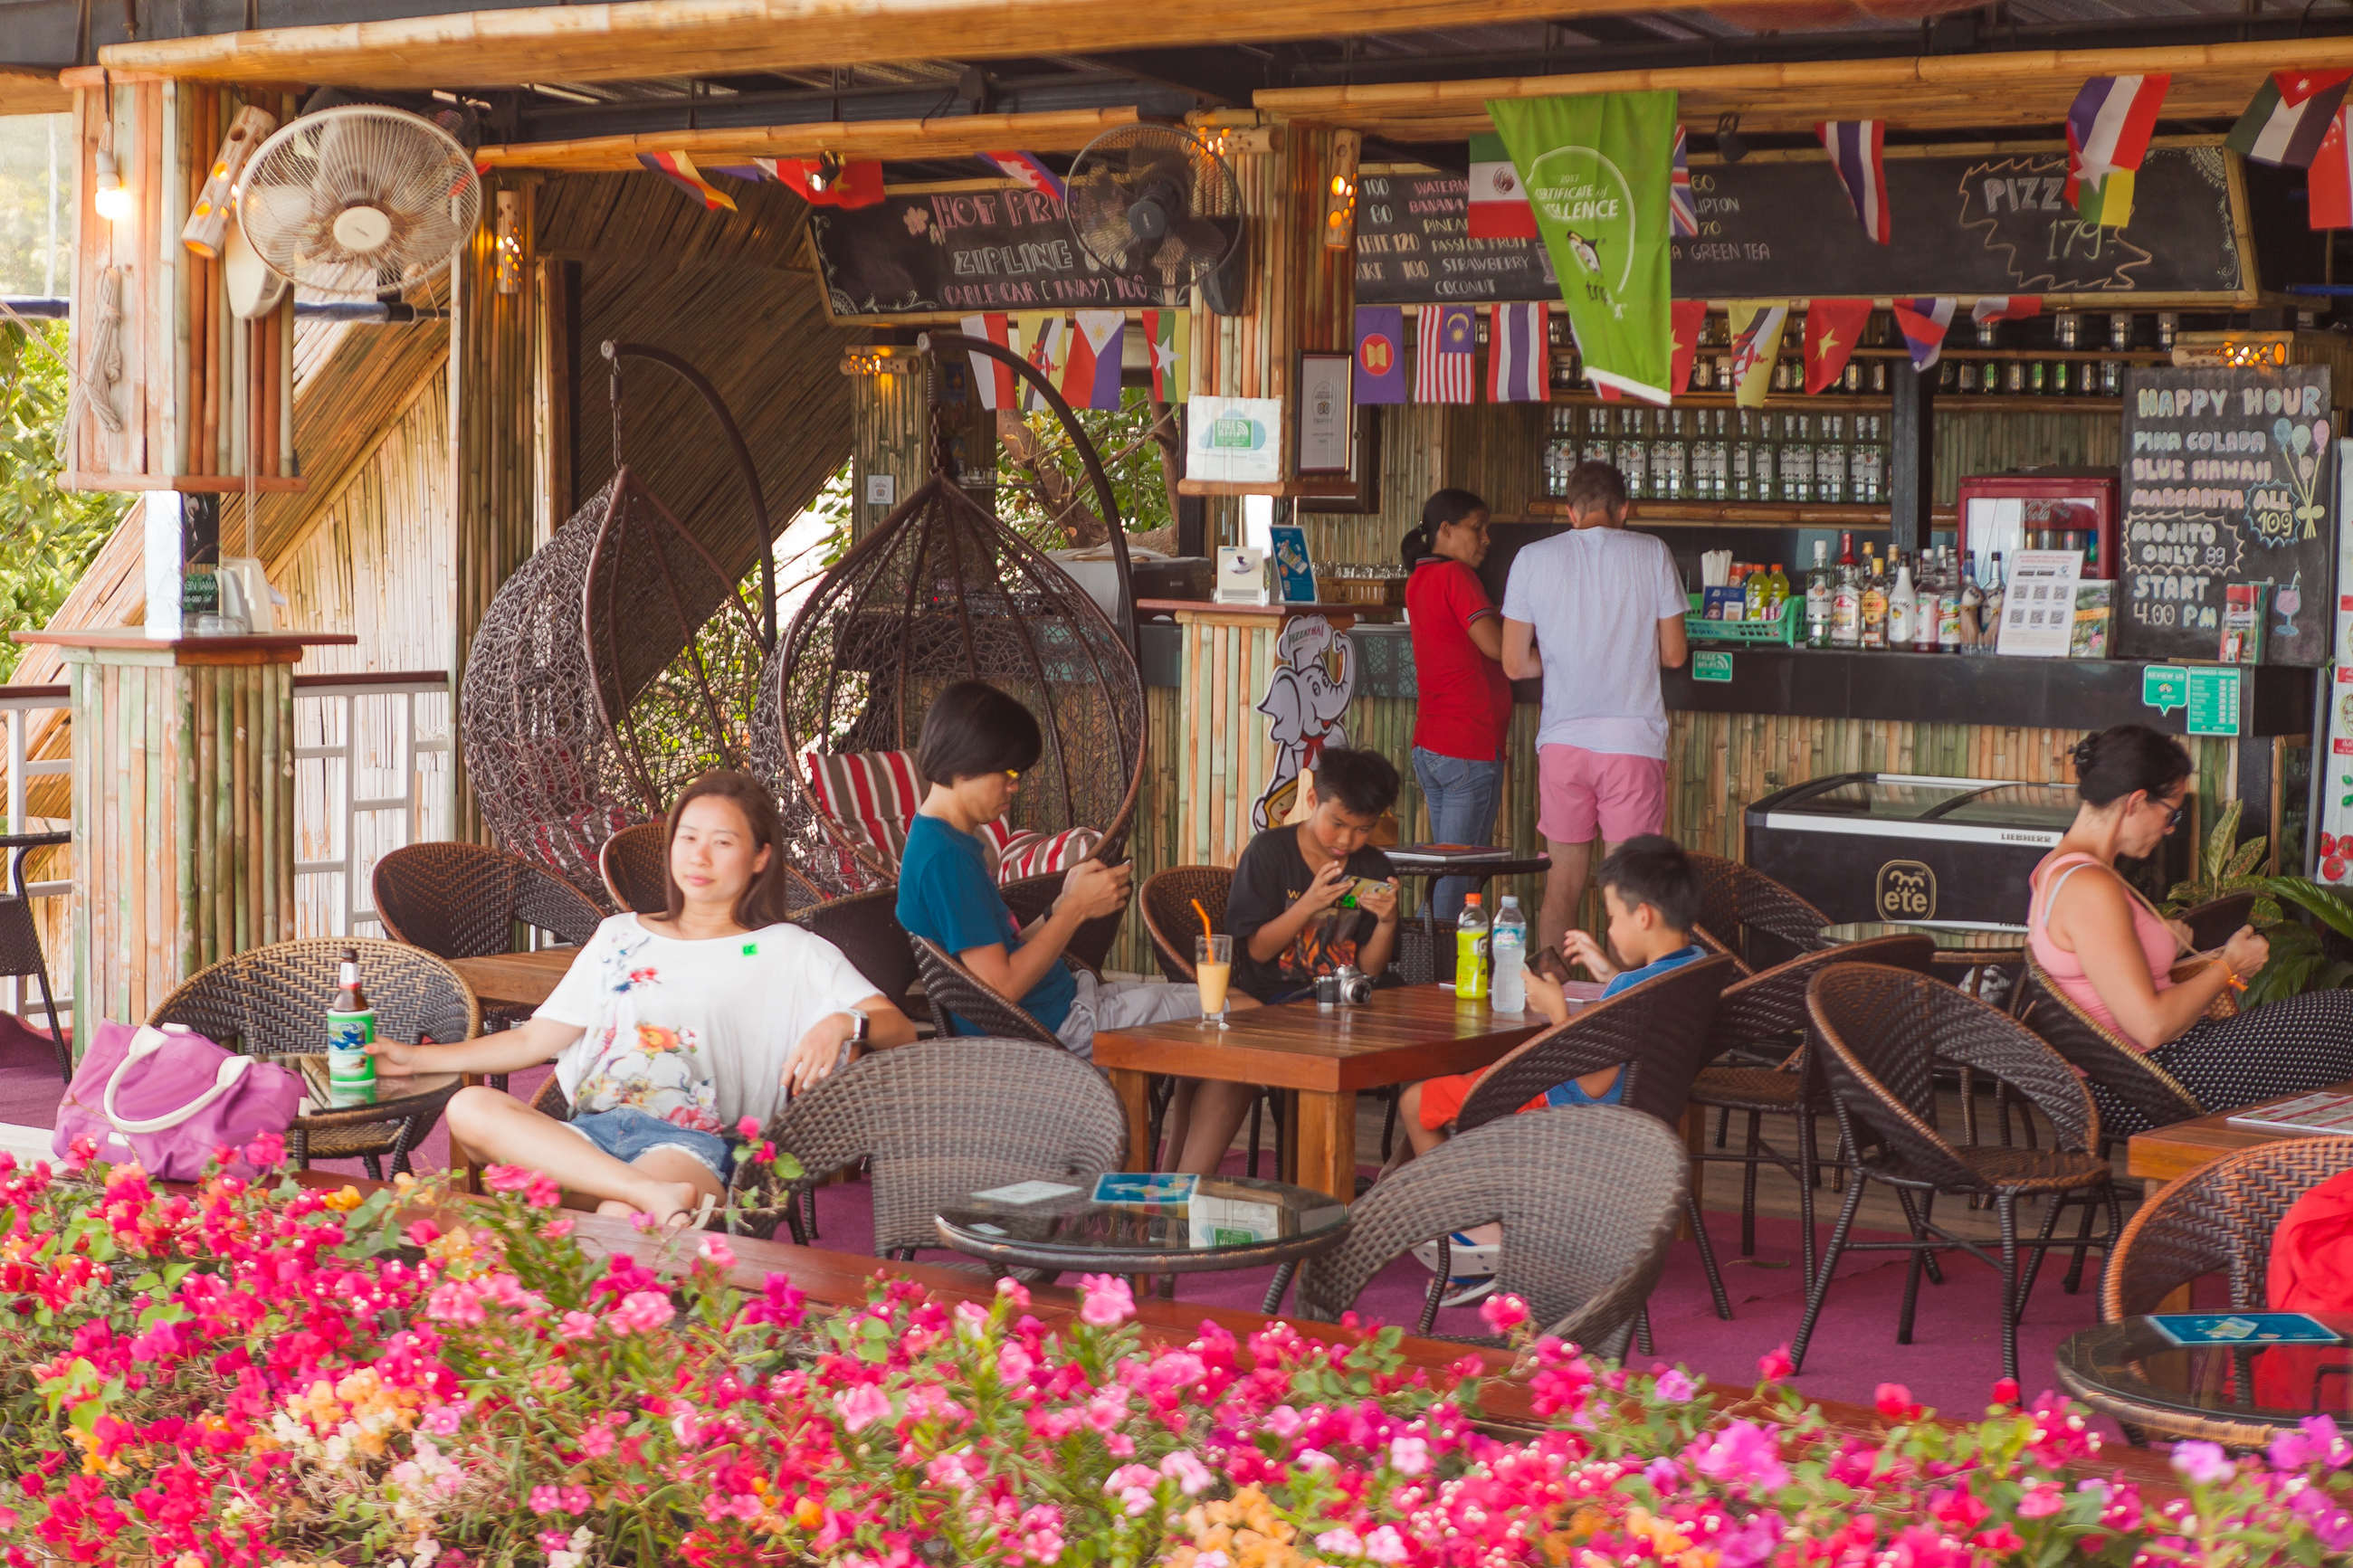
[(273, 1000), (950, 987), (464, 901), (1588, 1202), (1167, 898), (936, 1121), (2217, 1220), (635, 864), (1656, 1031), (1032, 897), (1882, 1034), (1765, 1014), (20, 937), (2132, 1092), (866, 927), (1747, 913)]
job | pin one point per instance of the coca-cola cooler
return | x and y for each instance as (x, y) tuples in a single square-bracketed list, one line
[(2041, 509), (1901, 846)]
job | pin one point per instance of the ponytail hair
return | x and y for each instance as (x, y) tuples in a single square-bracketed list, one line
[(2116, 761), (1443, 508)]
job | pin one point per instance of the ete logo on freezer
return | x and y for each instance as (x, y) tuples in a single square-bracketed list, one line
[(1907, 891)]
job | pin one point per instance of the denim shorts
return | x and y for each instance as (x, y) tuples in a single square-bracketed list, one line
[(626, 1132)]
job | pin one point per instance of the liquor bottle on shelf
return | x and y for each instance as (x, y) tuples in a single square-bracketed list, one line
[(1902, 599), (1634, 462), (1846, 598), (1996, 590), (1874, 606), (1795, 465), (1949, 605), (1972, 611), (2112, 378), (1830, 460), (1926, 585), (1818, 597)]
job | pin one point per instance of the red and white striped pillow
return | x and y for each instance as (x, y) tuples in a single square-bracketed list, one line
[(1032, 854), (871, 794)]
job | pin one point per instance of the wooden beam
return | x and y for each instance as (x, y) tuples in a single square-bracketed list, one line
[(26, 90), (1913, 93), (642, 38), (1060, 131)]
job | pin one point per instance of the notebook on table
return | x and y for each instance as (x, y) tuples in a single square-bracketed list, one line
[(2315, 1113)]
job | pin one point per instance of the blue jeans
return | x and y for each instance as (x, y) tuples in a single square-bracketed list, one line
[(625, 1133), (1462, 796)]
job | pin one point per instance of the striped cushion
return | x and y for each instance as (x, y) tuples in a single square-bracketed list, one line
[(1032, 854), (870, 795)]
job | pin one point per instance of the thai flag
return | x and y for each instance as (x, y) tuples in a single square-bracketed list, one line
[(2006, 308), (1923, 323), (1517, 353), (1858, 155), (2109, 126), (680, 170), (993, 379), (1683, 217), (1030, 169)]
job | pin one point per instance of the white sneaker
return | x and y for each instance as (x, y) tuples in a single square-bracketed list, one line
[(1471, 1267)]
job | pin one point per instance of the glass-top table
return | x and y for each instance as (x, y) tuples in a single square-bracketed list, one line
[(415, 1101), (2240, 1393), (1145, 1223)]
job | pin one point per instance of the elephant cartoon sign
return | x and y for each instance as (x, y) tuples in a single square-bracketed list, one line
[(1314, 676)]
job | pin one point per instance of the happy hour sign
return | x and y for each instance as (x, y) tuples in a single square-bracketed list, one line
[(2229, 479)]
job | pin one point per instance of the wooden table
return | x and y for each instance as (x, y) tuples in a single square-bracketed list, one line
[(2170, 1153), (515, 979), (1404, 1035)]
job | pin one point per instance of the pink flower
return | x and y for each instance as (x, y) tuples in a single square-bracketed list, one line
[(1283, 1421), (597, 1442), (748, 1128), (2203, 1464), (442, 1420), (1189, 1474), (1775, 1364), (1893, 1401), (714, 1247), (1408, 1456), (577, 1326), (1340, 1542), (507, 1178), (266, 1149), (424, 1232), (2316, 1442), (2006, 1391), (1385, 1544), (1674, 1387), (1013, 1290), (557, 1228), (1041, 1533), (1503, 1312), (542, 1499), (1740, 1451), (2042, 1500), (1014, 1366), (1105, 1300), (862, 1405), (641, 1313)]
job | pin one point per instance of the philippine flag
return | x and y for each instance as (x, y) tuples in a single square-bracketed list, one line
[(1517, 353), (1857, 150), (1090, 374), (2110, 125), (991, 378), (1922, 324), (1029, 169)]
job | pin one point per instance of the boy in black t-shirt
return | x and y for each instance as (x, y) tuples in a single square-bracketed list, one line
[(1285, 910)]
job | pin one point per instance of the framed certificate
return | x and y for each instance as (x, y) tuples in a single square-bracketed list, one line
[(1326, 412)]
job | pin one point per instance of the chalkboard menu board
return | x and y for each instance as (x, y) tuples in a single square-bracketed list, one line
[(1963, 225), (948, 252), (2227, 480)]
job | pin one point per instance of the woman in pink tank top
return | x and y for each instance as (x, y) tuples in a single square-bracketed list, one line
[(2110, 952)]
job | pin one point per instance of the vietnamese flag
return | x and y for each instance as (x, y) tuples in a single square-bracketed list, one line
[(1833, 327), (1686, 316)]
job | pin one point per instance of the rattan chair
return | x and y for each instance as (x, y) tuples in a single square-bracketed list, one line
[(1657, 1032), (464, 901), (1881, 1034), (1765, 1014), (1589, 1204), (2133, 1094), (635, 864), (1747, 913), (1167, 898), (950, 987), (1032, 897), (936, 1121), (273, 1000), (20, 937), (865, 927), (2217, 1220)]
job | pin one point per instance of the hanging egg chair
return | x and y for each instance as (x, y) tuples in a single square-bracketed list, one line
[(942, 591)]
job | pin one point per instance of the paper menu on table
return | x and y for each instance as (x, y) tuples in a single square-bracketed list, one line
[(2037, 613), (1232, 1222), (2331, 1113)]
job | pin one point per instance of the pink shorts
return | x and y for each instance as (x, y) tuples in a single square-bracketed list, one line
[(1579, 792)]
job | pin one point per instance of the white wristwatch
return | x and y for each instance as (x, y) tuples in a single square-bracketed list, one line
[(861, 1027)]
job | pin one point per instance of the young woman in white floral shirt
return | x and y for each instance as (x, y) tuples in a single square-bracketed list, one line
[(669, 1029)]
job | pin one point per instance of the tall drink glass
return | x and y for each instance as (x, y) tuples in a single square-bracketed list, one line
[(1213, 969)]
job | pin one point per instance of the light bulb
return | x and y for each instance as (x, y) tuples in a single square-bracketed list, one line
[(111, 198)]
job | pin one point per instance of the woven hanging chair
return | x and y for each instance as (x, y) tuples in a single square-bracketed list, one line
[(613, 666), (941, 592)]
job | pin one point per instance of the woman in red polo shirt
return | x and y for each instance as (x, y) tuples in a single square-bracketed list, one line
[(1465, 703)]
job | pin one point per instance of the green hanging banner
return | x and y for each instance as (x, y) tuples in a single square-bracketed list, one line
[(1596, 170)]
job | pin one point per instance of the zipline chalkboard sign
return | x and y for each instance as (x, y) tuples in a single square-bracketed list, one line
[(1983, 224), (2228, 479), (946, 253)]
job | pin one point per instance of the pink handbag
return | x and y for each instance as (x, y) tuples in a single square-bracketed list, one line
[(167, 1098)]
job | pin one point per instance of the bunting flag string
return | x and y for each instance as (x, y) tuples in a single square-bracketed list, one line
[(1757, 326), (1381, 353), (1517, 354), (1858, 156), (2108, 128), (992, 379), (680, 170), (1089, 377), (1682, 212), (2329, 186), (1833, 327), (1445, 339), (1029, 170), (2289, 117), (2006, 308), (1170, 333), (1684, 316), (1923, 323)]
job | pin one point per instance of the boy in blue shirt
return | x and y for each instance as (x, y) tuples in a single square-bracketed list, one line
[(975, 745)]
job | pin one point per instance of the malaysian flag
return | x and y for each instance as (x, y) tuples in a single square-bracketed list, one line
[(1922, 324), (1517, 353), (1445, 338), (1683, 218), (1027, 168), (1857, 150)]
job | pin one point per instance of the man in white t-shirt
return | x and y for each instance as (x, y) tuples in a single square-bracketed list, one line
[(1596, 612)]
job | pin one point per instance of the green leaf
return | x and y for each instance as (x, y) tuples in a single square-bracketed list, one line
[(2332, 908)]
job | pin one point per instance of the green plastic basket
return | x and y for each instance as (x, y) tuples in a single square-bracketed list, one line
[(1784, 631)]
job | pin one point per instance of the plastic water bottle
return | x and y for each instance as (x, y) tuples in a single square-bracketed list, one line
[(1510, 951), (1471, 951)]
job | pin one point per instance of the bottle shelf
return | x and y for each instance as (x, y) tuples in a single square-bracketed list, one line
[(1749, 514), (1870, 402)]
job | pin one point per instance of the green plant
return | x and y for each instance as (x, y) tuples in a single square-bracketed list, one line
[(2226, 868), (48, 537), (2300, 961)]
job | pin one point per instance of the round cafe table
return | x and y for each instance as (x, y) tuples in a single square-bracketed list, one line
[(2241, 1395), (1149, 1223), (414, 1102)]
